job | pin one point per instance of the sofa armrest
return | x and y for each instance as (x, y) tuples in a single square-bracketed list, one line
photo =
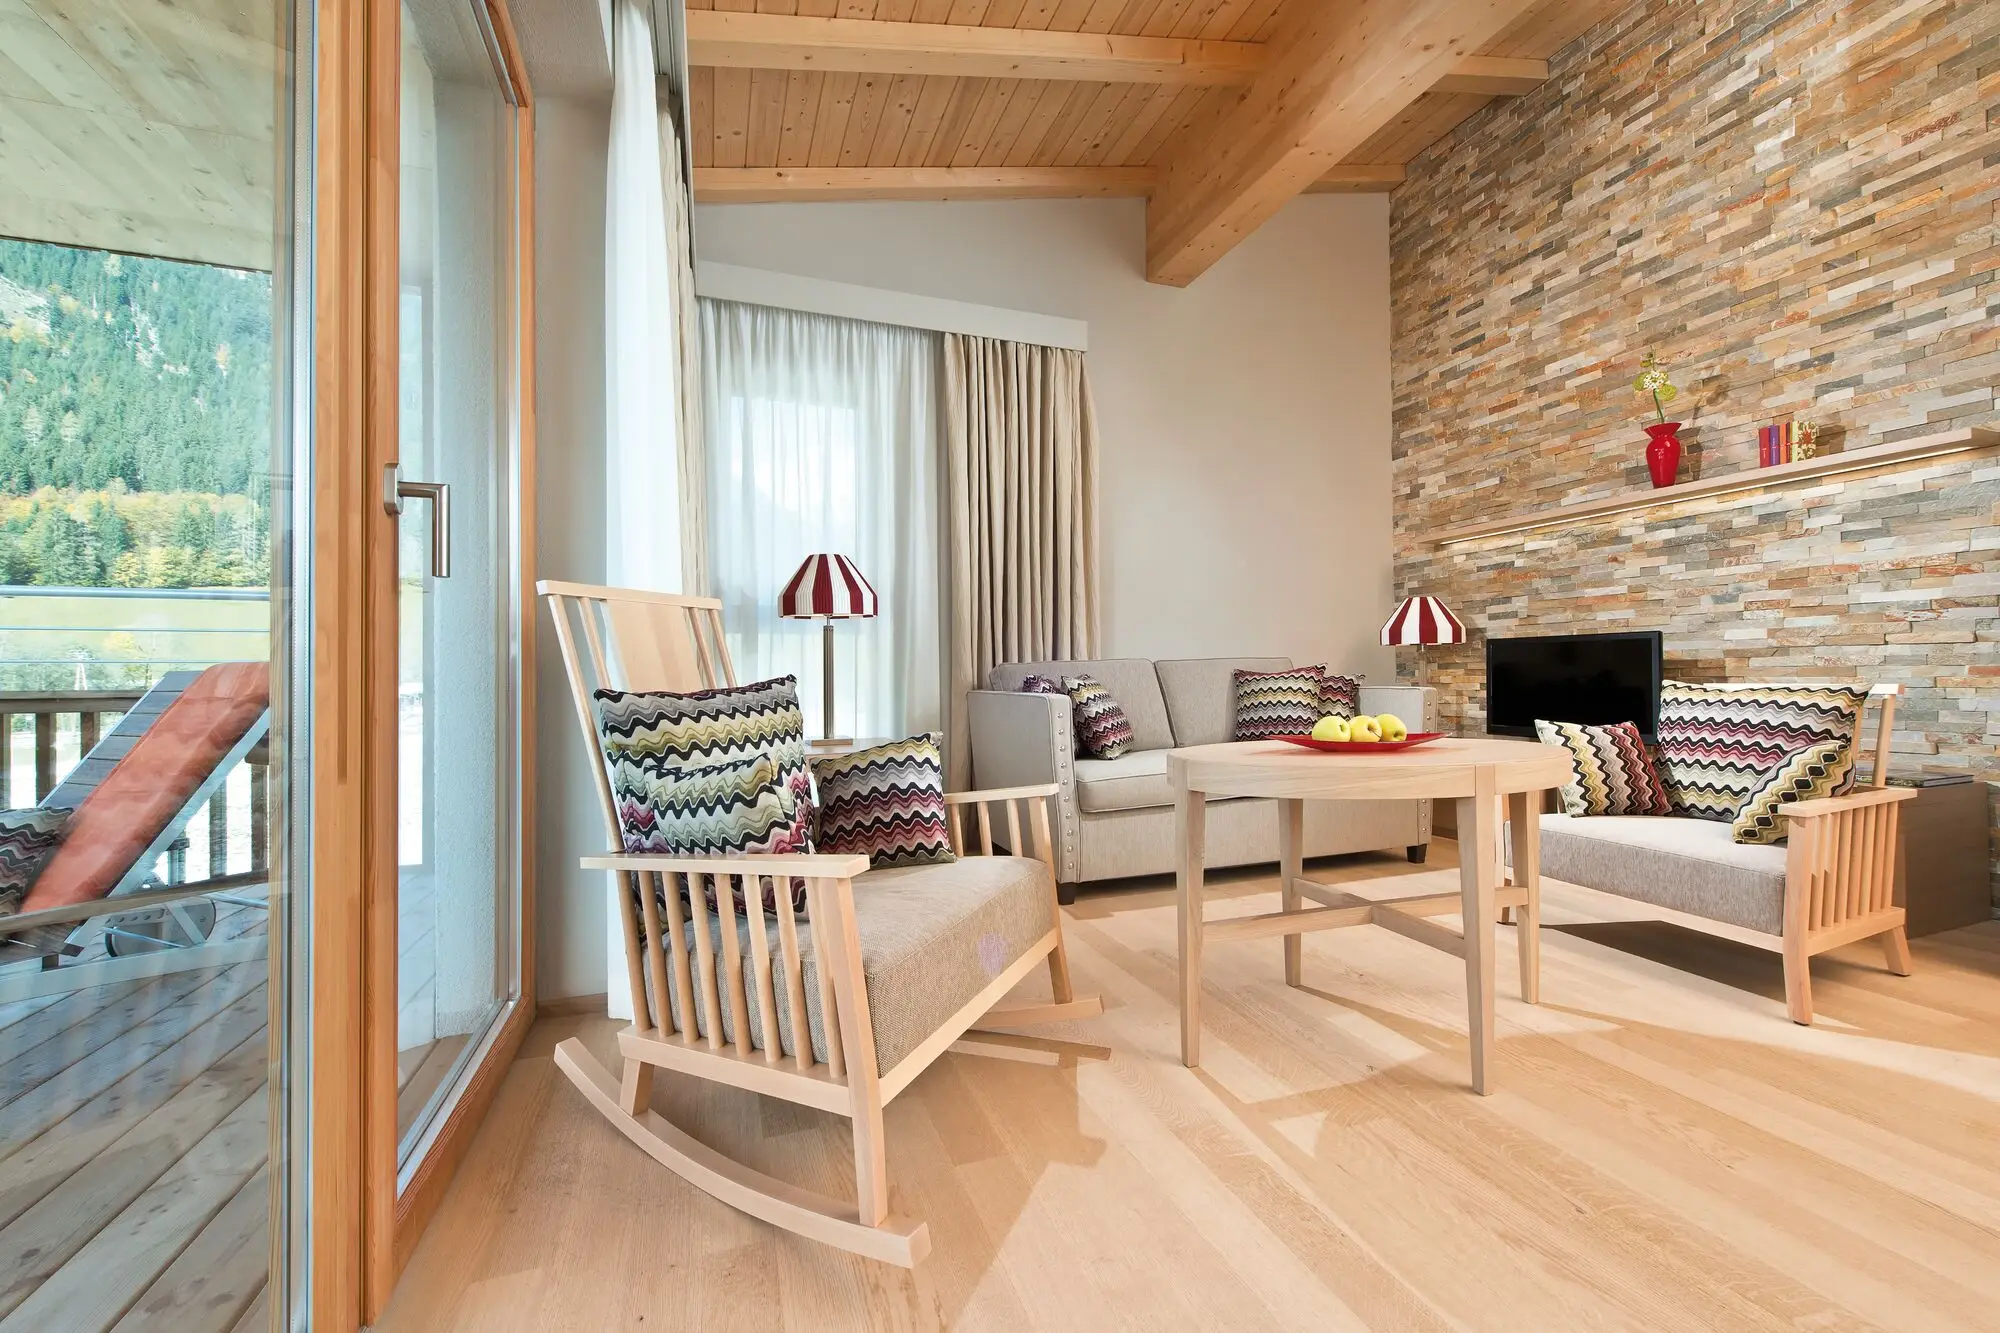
[(1415, 704), (1025, 740)]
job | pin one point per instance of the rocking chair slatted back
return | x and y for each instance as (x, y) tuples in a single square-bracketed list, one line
[(617, 638)]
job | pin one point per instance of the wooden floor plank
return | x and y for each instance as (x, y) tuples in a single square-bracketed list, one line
[(73, 1208), (93, 1291), (1664, 1150), (218, 1276)]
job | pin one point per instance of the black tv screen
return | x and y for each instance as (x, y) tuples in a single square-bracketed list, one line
[(1588, 678)]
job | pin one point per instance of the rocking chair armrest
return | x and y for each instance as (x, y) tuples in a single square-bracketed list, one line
[(1043, 789), (804, 866), (1856, 800)]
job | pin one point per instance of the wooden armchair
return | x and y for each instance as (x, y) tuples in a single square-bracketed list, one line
[(840, 1010), (1840, 870)]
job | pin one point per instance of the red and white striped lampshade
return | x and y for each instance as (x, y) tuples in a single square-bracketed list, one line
[(828, 587), (1422, 620)]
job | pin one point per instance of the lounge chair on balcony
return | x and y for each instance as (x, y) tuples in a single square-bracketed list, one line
[(132, 798)]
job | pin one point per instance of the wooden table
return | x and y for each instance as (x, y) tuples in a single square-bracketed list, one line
[(1478, 773)]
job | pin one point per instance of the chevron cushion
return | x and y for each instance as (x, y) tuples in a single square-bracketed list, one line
[(1032, 684), (740, 808), (1339, 696), (28, 838), (1719, 744), (1806, 775), (1277, 703), (1610, 771), (661, 730), (885, 803), (1102, 729)]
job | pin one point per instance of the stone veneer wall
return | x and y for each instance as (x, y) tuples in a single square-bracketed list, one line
[(1794, 205)]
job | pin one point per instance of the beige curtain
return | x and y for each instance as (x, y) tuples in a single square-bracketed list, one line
[(1020, 515), (694, 450)]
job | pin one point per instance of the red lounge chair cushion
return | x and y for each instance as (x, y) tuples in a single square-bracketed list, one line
[(143, 792)]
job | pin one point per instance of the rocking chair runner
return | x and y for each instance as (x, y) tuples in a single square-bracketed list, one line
[(840, 1010)]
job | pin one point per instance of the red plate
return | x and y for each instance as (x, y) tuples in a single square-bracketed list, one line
[(1362, 747)]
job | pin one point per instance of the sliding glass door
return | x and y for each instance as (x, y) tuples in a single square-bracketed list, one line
[(458, 618), (155, 673)]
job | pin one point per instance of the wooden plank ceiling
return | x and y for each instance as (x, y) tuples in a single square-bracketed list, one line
[(1227, 106), (1035, 99)]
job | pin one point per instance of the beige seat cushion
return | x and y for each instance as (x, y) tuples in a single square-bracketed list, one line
[(932, 938), (1130, 680), (1135, 781), (1688, 865)]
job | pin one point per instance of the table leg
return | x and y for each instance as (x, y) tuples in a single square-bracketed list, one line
[(1476, 887), (1291, 865), (1525, 827), (1190, 821)]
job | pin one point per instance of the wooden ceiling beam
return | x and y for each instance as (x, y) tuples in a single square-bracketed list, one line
[(727, 39), (1496, 76), (798, 185), (773, 185), (732, 40), (1341, 73)]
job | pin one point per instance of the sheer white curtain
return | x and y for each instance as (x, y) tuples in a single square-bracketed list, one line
[(642, 361), (822, 436)]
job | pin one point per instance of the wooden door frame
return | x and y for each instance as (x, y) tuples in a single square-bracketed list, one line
[(362, 1231)]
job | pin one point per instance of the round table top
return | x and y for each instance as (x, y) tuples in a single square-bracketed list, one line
[(1442, 768)]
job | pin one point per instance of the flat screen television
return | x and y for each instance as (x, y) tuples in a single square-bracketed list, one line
[(1588, 678)]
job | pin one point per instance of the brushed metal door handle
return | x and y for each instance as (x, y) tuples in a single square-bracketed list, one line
[(395, 490)]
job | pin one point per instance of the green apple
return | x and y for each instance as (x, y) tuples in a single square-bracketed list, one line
[(1364, 728), (1392, 727), (1331, 729)]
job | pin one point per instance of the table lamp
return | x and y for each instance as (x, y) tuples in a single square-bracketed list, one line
[(1418, 621), (828, 587)]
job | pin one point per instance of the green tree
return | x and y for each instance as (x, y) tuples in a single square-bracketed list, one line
[(61, 550)]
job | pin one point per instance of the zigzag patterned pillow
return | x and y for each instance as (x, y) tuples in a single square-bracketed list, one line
[(1102, 729), (1816, 771), (1720, 743), (1277, 703), (28, 838), (661, 730), (1340, 696), (1610, 771), (886, 803), (740, 808), (1039, 685)]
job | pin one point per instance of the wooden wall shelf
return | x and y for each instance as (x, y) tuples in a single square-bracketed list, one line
[(1894, 454)]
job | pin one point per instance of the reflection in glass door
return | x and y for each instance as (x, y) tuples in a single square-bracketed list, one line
[(458, 444)]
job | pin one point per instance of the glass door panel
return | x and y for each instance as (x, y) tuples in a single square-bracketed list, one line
[(456, 910)]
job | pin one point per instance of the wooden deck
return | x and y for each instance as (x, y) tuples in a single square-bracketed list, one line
[(1664, 1151), (134, 1126)]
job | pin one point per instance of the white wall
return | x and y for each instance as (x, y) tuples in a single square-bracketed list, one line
[(571, 138), (1245, 418)]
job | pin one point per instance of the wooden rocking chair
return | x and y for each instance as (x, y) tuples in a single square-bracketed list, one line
[(841, 1010)]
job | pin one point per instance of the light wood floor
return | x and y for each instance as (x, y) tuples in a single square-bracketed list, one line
[(1665, 1152)]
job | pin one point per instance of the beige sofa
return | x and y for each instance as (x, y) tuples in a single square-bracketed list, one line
[(1115, 817)]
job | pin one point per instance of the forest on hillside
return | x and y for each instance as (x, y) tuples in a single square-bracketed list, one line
[(135, 420)]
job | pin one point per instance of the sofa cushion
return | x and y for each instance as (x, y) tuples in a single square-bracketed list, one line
[(1277, 703), (1610, 772), (932, 937), (1130, 680), (1806, 775), (885, 802), (1688, 865), (1339, 696), (1200, 694), (1136, 781), (1720, 743)]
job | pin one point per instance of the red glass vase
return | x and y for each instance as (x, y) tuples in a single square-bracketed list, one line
[(1663, 455)]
